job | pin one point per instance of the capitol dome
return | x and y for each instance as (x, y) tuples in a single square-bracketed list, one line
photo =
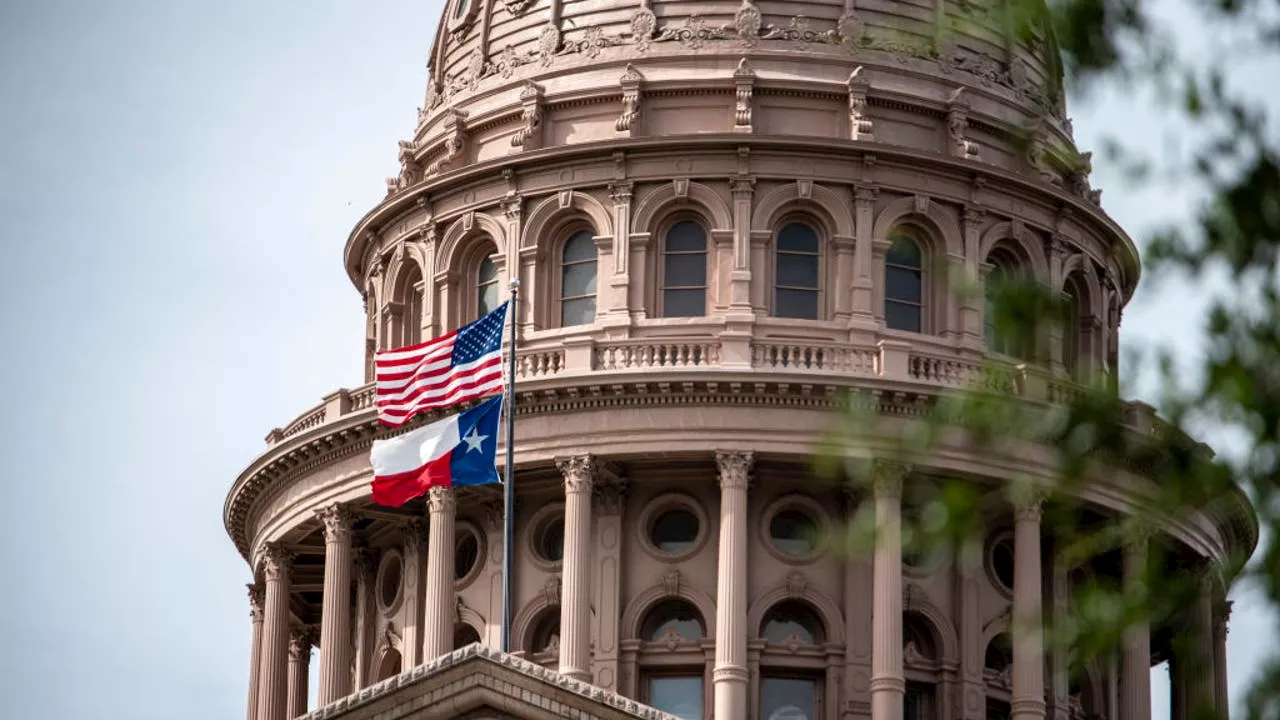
[(725, 218)]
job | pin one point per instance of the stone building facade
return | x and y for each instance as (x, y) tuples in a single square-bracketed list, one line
[(725, 216)]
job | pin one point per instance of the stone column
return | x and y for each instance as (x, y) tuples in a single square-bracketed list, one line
[(1027, 698), (1059, 655), (438, 626), (273, 673), (335, 613), (575, 604), (971, 331), (411, 639), (1220, 620), (299, 661), (609, 499), (857, 611), (973, 690), (1200, 682), (730, 675), (255, 652), (887, 682), (366, 564), (1135, 669), (742, 187)]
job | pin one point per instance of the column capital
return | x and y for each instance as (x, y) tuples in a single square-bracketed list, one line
[(579, 472), (301, 639), (337, 519), (735, 469), (366, 562), (277, 561), (887, 477), (441, 499), (256, 596), (610, 497), (1222, 614), (1029, 505)]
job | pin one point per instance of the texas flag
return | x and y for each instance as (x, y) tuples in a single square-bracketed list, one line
[(458, 450)]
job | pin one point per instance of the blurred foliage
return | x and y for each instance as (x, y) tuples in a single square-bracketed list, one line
[(1235, 389)]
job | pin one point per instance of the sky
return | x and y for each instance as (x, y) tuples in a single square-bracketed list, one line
[(177, 181)]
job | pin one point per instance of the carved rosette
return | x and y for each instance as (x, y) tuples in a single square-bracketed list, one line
[(337, 521), (887, 477), (747, 21), (643, 23), (578, 471), (441, 499), (548, 44), (277, 561), (735, 469)]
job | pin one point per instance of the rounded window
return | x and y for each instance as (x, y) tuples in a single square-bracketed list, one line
[(1000, 562), (487, 291), (390, 575), (999, 654), (544, 536), (464, 635), (672, 527), (546, 633), (795, 526), (795, 291), (673, 619), (551, 540), (903, 284), (791, 623), (468, 554)]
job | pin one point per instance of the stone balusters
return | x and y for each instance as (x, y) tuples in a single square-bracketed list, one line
[(273, 672), (440, 606), (1027, 697), (730, 673), (887, 682), (335, 615), (300, 641), (255, 653), (579, 475), (1135, 659)]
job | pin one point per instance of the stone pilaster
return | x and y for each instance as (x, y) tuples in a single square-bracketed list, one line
[(973, 691), (730, 675), (300, 642), (411, 639), (255, 652), (1200, 683), (887, 682), (1059, 655), (273, 673), (858, 586), (609, 499), (863, 301), (1027, 698), (1221, 616), (335, 614), (366, 564), (438, 626), (743, 188), (1135, 658), (620, 279), (971, 329), (575, 603)]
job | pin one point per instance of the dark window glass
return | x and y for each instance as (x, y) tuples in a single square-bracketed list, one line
[(390, 580), (793, 532), (578, 280), (411, 321), (788, 698), (684, 271), (673, 616), (1071, 328), (546, 635), (917, 704), (1002, 562), (904, 285), (486, 287), (460, 8), (465, 555), (679, 696), (790, 622), (464, 635), (796, 272), (915, 634), (674, 531), (999, 653), (550, 540), (997, 710)]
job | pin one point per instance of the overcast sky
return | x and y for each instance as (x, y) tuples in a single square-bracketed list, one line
[(177, 180)]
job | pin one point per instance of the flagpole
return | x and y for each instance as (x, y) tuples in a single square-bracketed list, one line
[(508, 485)]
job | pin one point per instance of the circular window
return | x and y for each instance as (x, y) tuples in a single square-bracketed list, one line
[(390, 574), (1000, 562), (468, 552), (672, 527), (544, 536), (795, 526)]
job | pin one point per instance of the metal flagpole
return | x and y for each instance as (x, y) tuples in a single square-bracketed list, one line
[(508, 485)]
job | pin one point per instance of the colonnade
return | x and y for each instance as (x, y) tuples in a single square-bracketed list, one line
[(278, 667)]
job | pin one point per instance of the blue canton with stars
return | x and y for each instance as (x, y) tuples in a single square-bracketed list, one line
[(472, 460), (479, 338)]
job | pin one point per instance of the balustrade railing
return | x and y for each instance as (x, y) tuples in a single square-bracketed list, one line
[(660, 354), (812, 357)]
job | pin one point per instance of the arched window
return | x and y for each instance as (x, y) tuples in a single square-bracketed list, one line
[(793, 663), (1001, 337), (464, 635), (1072, 326), (460, 8), (542, 644), (997, 668), (684, 270), (673, 663), (578, 280), (411, 308), (487, 285), (795, 287), (920, 655), (904, 284)]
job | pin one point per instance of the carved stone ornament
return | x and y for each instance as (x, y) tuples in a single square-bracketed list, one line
[(796, 584), (609, 497), (747, 21), (744, 82), (630, 81), (366, 563), (441, 500), (578, 471), (1029, 505), (671, 582), (256, 596), (337, 521), (301, 640), (850, 26), (551, 591), (277, 562), (735, 469), (887, 476), (860, 126), (957, 125), (530, 117), (643, 23), (548, 44), (516, 7), (455, 138)]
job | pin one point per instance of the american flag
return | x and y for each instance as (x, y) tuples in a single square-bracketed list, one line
[(454, 368)]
